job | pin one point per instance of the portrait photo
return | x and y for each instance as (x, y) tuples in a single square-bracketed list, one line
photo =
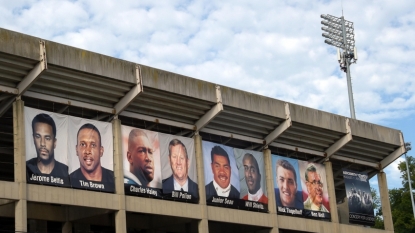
[(287, 182), (46, 147), (178, 165), (252, 177), (313, 181), (90, 154), (141, 157), (221, 172)]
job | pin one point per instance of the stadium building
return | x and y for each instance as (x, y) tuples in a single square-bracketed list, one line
[(137, 149)]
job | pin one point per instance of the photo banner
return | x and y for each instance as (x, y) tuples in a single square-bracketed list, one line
[(141, 158), (315, 192), (300, 188), (90, 155), (288, 191), (178, 168), (221, 175), (68, 151), (253, 188), (359, 197), (46, 148)]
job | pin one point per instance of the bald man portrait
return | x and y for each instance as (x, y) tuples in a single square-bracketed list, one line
[(140, 159)]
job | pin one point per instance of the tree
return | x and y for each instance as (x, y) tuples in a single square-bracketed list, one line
[(377, 207), (400, 200)]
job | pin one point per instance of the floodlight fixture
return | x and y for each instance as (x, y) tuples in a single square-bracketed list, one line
[(340, 33)]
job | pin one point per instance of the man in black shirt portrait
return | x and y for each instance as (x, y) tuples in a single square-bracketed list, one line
[(89, 151), (44, 168)]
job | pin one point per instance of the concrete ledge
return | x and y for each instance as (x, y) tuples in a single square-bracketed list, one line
[(179, 84), (360, 229), (67, 196), (162, 207), (317, 118), (227, 215), (303, 224), (375, 132), (19, 44), (9, 190), (252, 102)]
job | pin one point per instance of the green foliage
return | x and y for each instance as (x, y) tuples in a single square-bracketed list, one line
[(404, 176), (377, 207), (402, 215), (400, 200)]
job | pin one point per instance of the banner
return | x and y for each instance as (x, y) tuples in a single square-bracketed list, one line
[(359, 198), (300, 188), (252, 180), (178, 168), (46, 148), (234, 183), (142, 170), (68, 151), (159, 165), (90, 155)]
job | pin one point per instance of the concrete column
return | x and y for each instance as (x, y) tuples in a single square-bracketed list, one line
[(203, 226), (120, 215), (384, 198), (332, 192), (332, 197), (20, 165), (272, 206), (67, 227)]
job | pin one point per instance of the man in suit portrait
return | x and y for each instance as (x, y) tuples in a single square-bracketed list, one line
[(253, 180), (315, 190), (221, 169), (179, 163), (140, 157)]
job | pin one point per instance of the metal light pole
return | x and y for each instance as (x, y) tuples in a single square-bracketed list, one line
[(408, 147), (340, 33)]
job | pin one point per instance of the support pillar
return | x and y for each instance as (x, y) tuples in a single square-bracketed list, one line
[(384, 198), (272, 206), (332, 196), (20, 165), (203, 226), (120, 215), (67, 227)]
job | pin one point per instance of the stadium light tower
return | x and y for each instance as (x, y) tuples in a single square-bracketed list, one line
[(340, 33)]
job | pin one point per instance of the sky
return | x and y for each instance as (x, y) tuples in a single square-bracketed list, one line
[(272, 48)]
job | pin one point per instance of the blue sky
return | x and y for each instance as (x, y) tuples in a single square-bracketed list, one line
[(272, 48)]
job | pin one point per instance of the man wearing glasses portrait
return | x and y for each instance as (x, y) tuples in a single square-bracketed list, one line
[(315, 190)]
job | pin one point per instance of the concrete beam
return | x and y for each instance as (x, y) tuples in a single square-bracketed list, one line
[(394, 155), (341, 142), (132, 94), (69, 102), (369, 164), (8, 103), (212, 113), (10, 90), (157, 120), (281, 128)]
